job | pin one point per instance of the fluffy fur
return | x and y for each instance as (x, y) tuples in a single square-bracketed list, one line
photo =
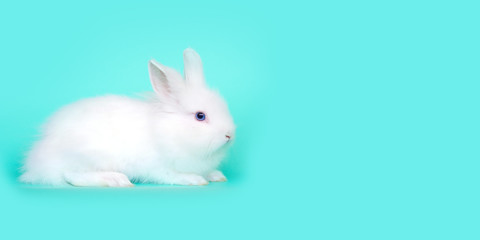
[(111, 140)]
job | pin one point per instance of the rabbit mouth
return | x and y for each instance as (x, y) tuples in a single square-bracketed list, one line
[(228, 141)]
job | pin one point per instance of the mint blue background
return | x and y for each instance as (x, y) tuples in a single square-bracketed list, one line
[(356, 119)]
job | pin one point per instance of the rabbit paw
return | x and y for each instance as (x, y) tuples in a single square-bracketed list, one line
[(216, 176), (192, 179), (115, 179), (98, 179)]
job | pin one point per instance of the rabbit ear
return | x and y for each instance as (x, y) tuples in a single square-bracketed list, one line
[(193, 68), (165, 81)]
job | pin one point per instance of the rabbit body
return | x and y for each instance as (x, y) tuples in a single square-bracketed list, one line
[(110, 140)]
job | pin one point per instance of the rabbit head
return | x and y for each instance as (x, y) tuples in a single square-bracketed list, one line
[(198, 117)]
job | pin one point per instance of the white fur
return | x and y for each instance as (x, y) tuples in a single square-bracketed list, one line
[(107, 141)]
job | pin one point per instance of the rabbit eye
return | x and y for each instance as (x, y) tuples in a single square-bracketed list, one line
[(200, 116)]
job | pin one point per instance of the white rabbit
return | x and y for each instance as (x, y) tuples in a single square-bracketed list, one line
[(177, 137)]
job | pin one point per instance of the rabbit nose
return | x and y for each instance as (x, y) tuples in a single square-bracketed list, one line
[(228, 137)]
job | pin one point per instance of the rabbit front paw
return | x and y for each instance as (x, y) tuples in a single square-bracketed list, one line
[(191, 179), (216, 176)]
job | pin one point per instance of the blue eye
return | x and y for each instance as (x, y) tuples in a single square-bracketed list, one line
[(200, 116)]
